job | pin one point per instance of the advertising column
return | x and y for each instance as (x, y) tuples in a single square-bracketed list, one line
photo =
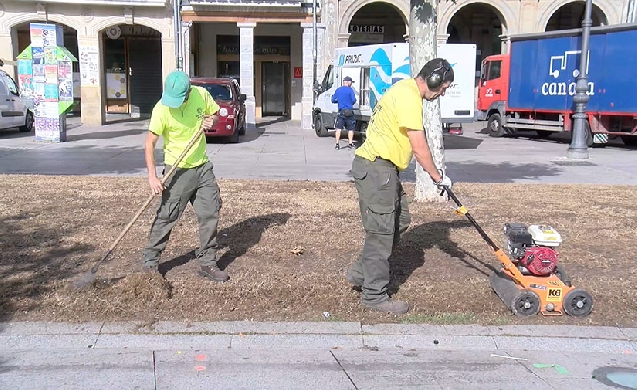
[(45, 71)]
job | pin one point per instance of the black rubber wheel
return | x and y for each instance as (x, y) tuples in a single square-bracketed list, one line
[(28, 123), (543, 134), (234, 138), (526, 303), (319, 128), (494, 125), (242, 129), (578, 303), (629, 140), (561, 275)]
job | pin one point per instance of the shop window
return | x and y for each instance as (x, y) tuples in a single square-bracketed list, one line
[(229, 69), (364, 92)]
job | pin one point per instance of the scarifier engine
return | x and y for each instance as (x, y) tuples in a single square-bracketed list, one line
[(532, 249)]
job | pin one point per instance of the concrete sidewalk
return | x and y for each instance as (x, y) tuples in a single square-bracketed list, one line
[(327, 355), (281, 150)]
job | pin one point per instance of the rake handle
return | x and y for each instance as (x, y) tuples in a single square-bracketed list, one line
[(149, 200)]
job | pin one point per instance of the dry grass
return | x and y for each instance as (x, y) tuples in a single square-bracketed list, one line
[(287, 246)]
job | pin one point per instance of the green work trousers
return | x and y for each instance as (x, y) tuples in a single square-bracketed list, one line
[(385, 216), (199, 187)]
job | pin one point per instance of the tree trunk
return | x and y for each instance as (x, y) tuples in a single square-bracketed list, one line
[(423, 44)]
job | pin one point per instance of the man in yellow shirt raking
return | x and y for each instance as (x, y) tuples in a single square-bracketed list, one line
[(395, 134), (177, 117)]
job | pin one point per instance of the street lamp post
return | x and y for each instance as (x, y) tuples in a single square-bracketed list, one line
[(314, 50), (177, 27), (578, 148)]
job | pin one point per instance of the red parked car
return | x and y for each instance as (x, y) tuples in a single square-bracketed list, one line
[(232, 111)]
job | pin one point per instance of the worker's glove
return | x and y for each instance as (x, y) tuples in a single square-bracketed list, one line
[(445, 182)]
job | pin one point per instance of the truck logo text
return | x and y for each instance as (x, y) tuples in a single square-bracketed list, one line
[(349, 59), (559, 64)]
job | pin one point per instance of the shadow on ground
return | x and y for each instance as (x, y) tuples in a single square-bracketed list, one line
[(40, 258), (409, 253), (469, 171), (238, 239)]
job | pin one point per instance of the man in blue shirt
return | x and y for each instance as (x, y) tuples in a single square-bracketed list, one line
[(344, 96)]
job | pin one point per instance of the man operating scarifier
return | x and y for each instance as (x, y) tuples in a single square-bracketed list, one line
[(177, 117), (395, 134)]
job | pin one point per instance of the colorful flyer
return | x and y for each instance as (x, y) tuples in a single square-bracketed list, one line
[(51, 91), (50, 55), (65, 69), (38, 54), (49, 35), (25, 67), (36, 37), (26, 84), (66, 90), (51, 73), (38, 89)]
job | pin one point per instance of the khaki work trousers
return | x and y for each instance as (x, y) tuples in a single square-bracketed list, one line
[(199, 187), (385, 216)]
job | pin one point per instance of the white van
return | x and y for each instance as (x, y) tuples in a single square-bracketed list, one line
[(14, 111)]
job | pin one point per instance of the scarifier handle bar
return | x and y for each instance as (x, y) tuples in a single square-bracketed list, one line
[(463, 210)]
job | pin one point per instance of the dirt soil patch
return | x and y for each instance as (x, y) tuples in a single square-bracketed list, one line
[(287, 246)]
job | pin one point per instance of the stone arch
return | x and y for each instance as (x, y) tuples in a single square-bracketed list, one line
[(604, 5), (17, 19), (115, 20), (500, 7), (402, 6)]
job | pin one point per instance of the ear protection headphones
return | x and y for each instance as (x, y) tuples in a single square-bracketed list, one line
[(437, 76)]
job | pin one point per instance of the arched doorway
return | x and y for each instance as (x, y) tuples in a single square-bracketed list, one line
[(478, 23), (132, 70), (377, 23), (22, 39), (570, 16)]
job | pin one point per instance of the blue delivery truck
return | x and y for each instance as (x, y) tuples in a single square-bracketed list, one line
[(532, 88)]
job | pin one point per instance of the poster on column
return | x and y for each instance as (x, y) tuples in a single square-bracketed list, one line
[(89, 65), (65, 80)]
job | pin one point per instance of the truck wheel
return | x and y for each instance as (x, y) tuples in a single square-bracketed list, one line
[(629, 140), (494, 125), (319, 128)]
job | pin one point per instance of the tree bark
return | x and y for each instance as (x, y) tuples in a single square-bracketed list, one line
[(423, 45)]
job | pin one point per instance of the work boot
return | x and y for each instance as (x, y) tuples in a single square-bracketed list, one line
[(389, 306), (213, 272)]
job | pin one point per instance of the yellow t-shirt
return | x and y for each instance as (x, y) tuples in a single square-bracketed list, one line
[(399, 109), (179, 125)]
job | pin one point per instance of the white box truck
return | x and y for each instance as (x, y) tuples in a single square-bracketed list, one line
[(375, 68)]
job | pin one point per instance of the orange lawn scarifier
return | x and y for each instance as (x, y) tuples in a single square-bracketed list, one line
[(533, 281)]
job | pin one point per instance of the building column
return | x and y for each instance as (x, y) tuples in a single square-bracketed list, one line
[(6, 52), (307, 99), (505, 40), (185, 48), (343, 39), (323, 57), (246, 70), (91, 74), (442, 38)]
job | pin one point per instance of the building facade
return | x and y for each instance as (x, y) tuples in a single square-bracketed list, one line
[(126, 48)]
